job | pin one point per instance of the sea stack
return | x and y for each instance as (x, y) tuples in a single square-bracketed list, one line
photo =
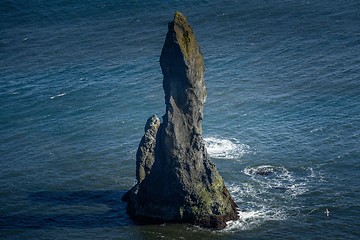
[(176, 180)]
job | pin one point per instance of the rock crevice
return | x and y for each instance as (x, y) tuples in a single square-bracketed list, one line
[(176, 181)]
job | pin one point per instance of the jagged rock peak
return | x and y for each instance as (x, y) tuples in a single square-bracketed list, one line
[(182, 64), (176, 180), (186, 39)]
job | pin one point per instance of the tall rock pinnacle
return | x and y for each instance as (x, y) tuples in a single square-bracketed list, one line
[(176, 181)]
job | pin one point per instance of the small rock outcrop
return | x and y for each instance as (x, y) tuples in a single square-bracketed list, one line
[(176, 181)]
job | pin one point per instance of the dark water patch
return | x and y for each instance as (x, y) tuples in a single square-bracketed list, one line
[(112, 213)]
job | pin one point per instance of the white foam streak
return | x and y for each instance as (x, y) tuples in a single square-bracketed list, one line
[(59, 95), (225, 148)]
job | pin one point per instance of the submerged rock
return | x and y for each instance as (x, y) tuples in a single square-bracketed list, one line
[(262, 171), (176, 181)]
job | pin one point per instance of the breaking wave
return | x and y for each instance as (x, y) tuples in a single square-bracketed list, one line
[(277, 178), (225, 148), (266, 193)]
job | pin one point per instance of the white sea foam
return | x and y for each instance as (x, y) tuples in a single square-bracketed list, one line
[(266, 194), (315, 175), (316, 130), (253, 218), (225, 148), (59, 95), (254, 208), (272, 177)]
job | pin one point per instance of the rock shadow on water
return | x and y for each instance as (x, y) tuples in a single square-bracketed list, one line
[(113, 216)]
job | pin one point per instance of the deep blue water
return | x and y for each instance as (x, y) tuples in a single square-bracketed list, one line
[(79, 79)]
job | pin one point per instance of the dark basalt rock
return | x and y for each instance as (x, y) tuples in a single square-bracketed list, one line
[(176, 181), (263, 171), (145, 155)]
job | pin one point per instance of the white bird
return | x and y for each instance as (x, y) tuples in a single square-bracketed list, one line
[(327, 212)]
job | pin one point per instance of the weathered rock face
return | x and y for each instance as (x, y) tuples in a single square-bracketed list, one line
[(177, 182), (145, 155)]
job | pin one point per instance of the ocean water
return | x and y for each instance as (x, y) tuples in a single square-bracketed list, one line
[(78, 79)]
